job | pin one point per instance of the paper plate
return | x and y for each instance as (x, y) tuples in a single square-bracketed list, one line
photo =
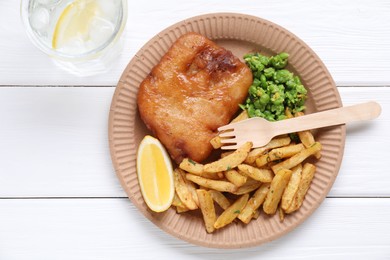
[(240, 34)]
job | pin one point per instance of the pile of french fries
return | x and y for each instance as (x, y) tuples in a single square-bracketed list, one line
[(275, 178)]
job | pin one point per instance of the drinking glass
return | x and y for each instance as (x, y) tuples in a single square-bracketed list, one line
[(81, 36)]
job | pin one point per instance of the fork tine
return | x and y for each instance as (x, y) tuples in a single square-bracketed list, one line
[(229, 143), (229, 147), (226, 134), (228, 140), (225, 128)]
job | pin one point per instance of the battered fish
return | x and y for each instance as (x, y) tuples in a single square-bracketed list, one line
[(196, 88)]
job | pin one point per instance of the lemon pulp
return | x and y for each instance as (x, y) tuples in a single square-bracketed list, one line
[(155, 174)]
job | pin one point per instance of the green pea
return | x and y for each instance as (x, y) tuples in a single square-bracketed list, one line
[(264, 99), (251, 111), (259, 66), (264, 60), (282, 76), (256, 82), (252, 90), (257, 74), (269, 72), (257, 104), (279, 61), (263, 81), (291, 84), (301, 89), (258, 113), (297, 80), (283, 55)]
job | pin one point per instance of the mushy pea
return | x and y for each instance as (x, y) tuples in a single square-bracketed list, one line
[(274, 88)]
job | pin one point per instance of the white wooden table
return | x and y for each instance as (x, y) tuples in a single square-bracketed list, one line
[(60, 198)]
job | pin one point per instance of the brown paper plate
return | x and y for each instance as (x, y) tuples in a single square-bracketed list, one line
[(240, 34)]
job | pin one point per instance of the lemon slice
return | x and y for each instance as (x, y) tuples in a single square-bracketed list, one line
[(155, 174), (74, 23)]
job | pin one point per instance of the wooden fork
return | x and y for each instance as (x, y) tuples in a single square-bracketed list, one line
[(260, 131)]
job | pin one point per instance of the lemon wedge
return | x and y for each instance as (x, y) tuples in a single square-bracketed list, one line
[(74, 23), (155, 174)]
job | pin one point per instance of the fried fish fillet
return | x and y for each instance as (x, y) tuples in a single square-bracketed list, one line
[(195, 88)]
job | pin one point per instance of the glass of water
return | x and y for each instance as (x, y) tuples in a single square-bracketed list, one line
[(82, 36)]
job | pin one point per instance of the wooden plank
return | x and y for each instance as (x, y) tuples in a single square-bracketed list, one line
[(351, 37), (53, 143), (113, 229), (364, 170)]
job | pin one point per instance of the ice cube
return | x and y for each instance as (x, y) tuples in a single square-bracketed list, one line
[(73, 46), (39, 19), (110, 8), (101, 31)]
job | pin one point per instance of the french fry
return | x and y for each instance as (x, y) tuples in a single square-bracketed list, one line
[(216, 142), (220, 199), (191, 187), (274, 143), (182, 190), (224, 154), (206, 205), (235, 177), (255, 153), (232, 212), (248, 187), (180, 207), (254, 203), (191, 166), (263, 175), (195, 168), (307, 140), (285, 152), (279, 153), (223, 186), (298, 158), (177, 201), (307, 176), (262, 160), (292, 187), (281, 214), (212, 175), (256, 214), (307, 137), (231, 161), (275, 193), (181, 210)]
